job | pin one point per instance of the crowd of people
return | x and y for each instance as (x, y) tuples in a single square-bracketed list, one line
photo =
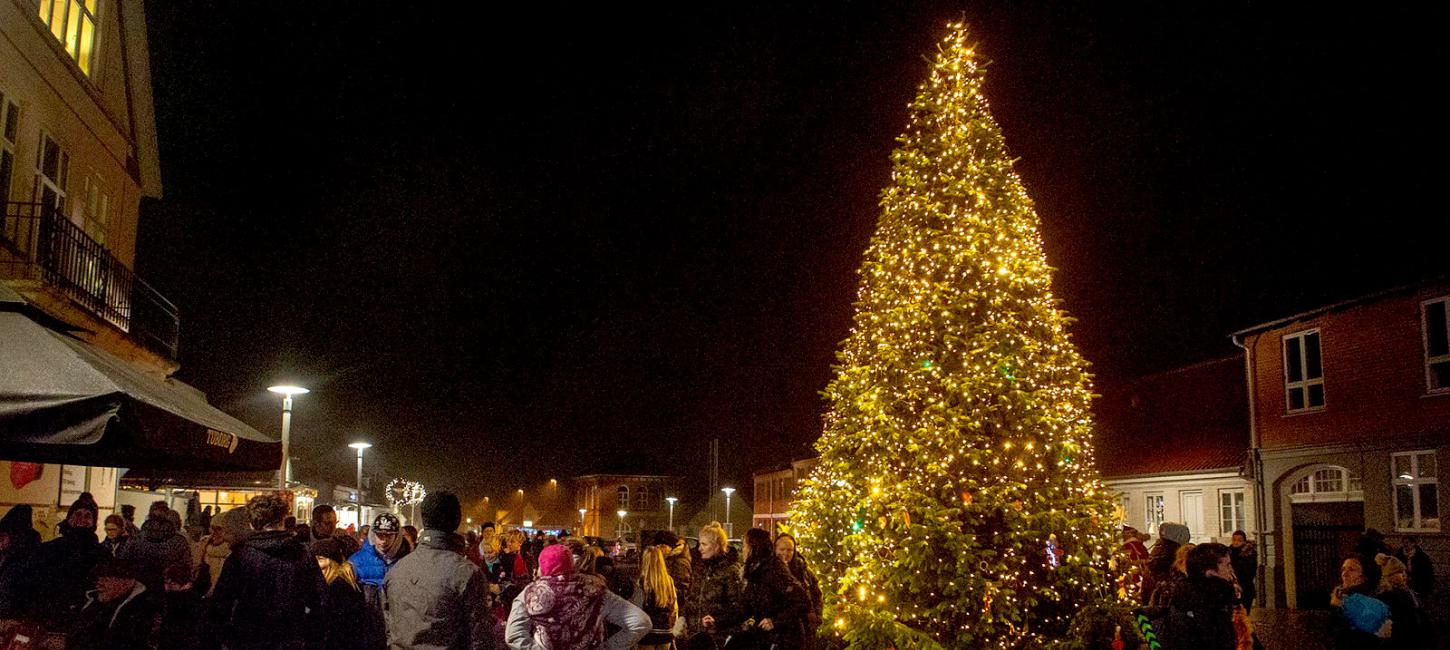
[(257, 579), (1198, 596)]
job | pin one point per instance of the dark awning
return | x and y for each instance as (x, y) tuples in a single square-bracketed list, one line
[(63, 400)]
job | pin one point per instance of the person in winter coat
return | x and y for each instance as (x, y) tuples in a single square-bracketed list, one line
[(1161, 556), (210, 553), (120, 613), (384, 547), (1357, 623), (565, 609), (116, 537), (510, 571), (773, 606), (270, 591), (159, 545), (1411, 628), (181, 610), (435, 596), (655, 594), (1245, 558), (1418, 565), (1157, 607), (18, 539), (677, 559), (785, 549), (1200, 615), (717, 588), (343, 600), (53, 583)]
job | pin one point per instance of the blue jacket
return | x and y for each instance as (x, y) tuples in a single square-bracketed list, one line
[(369, 565)]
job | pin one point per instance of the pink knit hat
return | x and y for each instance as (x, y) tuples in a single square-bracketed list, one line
[(555, 560)]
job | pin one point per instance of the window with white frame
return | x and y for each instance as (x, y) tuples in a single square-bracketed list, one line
[(1437, 343), (52, 166), (1231, 516), (623, 497), (1303, 372), (1417, 497), (73, 23), (1124, 501), (1153, 507), (1327, 484), (9, 135)]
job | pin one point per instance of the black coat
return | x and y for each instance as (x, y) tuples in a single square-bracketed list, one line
[(54, 581), (1201, 615), (346, 610), (123, 624), (771, 593), (269, 596)]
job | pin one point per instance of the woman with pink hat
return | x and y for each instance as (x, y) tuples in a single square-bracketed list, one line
[(566, 610)]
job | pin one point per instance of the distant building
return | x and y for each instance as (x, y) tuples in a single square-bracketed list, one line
[(1172, 446), (640, 496), (775, 491), (1350, 409)]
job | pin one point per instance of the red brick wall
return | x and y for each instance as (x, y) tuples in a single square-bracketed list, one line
[(1374, 376)]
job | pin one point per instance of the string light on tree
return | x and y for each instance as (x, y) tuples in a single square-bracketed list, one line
[(957, 502)]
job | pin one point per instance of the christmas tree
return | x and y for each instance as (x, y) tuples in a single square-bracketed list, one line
[(956, 503)]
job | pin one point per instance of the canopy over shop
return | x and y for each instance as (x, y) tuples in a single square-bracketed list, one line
[(63, 400)]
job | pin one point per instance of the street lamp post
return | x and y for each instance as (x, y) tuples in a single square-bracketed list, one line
[(672, 501), (359, 446), (729, 526), (618, 532), (582, 512), (286, 392)]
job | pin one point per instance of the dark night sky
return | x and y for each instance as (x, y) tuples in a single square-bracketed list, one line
[(512, 247)]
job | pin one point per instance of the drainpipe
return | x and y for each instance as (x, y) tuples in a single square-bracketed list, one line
[(1256, 460)]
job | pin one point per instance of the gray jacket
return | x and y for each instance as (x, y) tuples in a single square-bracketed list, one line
[(434, 598), (632, 622)]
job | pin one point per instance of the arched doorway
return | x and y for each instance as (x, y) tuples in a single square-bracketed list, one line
[(1326, 505)]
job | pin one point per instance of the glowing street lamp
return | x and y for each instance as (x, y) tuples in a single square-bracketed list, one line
[(286, 392), (582, 512), (621, 514), (729, 527), (359, 446), (672, 501)]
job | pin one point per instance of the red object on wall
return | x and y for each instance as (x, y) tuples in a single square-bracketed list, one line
[(23, 474)]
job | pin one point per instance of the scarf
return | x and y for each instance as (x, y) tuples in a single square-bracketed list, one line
[(392, 551), (566, 611)]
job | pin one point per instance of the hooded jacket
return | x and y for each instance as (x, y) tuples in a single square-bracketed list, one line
[(716, 589), (568, 611), (435, 598), (269, 596), (1200, 615), (127, 622), (771, 593), (159, 545), (803, 574), (54, 581)]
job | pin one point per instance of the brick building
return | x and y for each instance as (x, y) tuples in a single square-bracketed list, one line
[(641, 497), (775, 490), (1350, 412)]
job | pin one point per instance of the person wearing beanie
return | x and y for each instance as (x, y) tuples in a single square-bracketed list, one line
[(53, 582), (1160, 557), (269, 594), (1412, 628), (119, 613), (159, 545), (568, 609), (436, 598)]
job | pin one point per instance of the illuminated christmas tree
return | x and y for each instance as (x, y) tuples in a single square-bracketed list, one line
[(957, 503)]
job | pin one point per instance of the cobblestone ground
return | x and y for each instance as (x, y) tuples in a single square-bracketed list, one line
[(1300, 629)]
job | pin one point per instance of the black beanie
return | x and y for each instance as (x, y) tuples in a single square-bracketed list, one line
[(441, 511)]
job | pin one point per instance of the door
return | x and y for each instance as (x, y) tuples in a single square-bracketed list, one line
[(1191, 504), (1324, 534)]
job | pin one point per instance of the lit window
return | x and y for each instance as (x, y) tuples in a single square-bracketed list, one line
[(1231, 512), (1332, 483), (73, 23), (1417, 497), (1328, 480), (1154, 505), (1303, 372), (1437, 344)]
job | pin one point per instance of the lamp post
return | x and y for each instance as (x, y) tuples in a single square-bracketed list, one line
[(672, 501), (359, 446), (619, 531), (582, 512), (729, 526), (286, 392)]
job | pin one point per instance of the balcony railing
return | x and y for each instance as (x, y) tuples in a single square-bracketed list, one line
[(36, 242)]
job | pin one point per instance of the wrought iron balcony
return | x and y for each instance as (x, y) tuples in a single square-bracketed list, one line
[(38, 243)]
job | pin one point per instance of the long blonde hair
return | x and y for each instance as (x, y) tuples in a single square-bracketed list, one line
[(1180, 559), (332, 571), (655, 578)]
